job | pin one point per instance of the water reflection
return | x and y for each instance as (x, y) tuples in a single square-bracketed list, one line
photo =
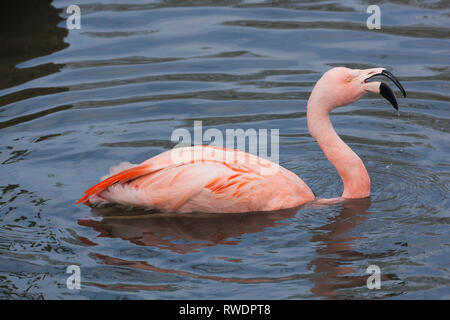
[(189, 232), (336, 251), (182, 233)]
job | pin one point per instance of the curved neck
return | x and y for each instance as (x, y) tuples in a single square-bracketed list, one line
[(347, 163)]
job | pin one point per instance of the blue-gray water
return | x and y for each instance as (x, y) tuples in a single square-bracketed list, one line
[(73, 103)]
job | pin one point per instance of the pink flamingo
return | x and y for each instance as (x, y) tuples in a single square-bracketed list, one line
[(212, 179)]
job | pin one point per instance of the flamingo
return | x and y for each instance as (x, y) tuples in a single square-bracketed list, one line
[(211, 179)]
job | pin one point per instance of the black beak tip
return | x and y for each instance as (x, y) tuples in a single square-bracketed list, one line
[(388, 94), (386, 91), (395, 80)]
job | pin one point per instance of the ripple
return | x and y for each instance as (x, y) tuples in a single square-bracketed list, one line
[(418, 30)]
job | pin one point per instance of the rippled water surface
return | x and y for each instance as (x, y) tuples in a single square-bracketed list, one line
[(73, 103)]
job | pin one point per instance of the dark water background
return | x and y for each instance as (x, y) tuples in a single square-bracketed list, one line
[(73, 103)]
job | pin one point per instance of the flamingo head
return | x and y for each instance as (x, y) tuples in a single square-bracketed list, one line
[(345, 86)]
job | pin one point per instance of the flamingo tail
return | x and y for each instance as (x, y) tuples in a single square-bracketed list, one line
[(121, 177)]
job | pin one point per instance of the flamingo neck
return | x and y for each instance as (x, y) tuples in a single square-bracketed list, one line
[(347, 163)]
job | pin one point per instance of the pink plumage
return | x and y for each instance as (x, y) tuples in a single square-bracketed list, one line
[(203, 179)]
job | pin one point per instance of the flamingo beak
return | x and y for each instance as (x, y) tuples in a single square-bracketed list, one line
[(381, 87)]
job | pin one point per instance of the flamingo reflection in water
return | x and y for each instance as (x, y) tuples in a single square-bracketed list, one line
[(189, 233)]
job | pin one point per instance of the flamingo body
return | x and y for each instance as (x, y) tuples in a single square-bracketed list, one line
[(202, 179)]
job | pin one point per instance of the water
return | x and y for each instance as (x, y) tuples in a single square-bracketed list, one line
[(73, 103)]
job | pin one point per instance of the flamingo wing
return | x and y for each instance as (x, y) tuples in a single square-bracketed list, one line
[(203, 179)]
